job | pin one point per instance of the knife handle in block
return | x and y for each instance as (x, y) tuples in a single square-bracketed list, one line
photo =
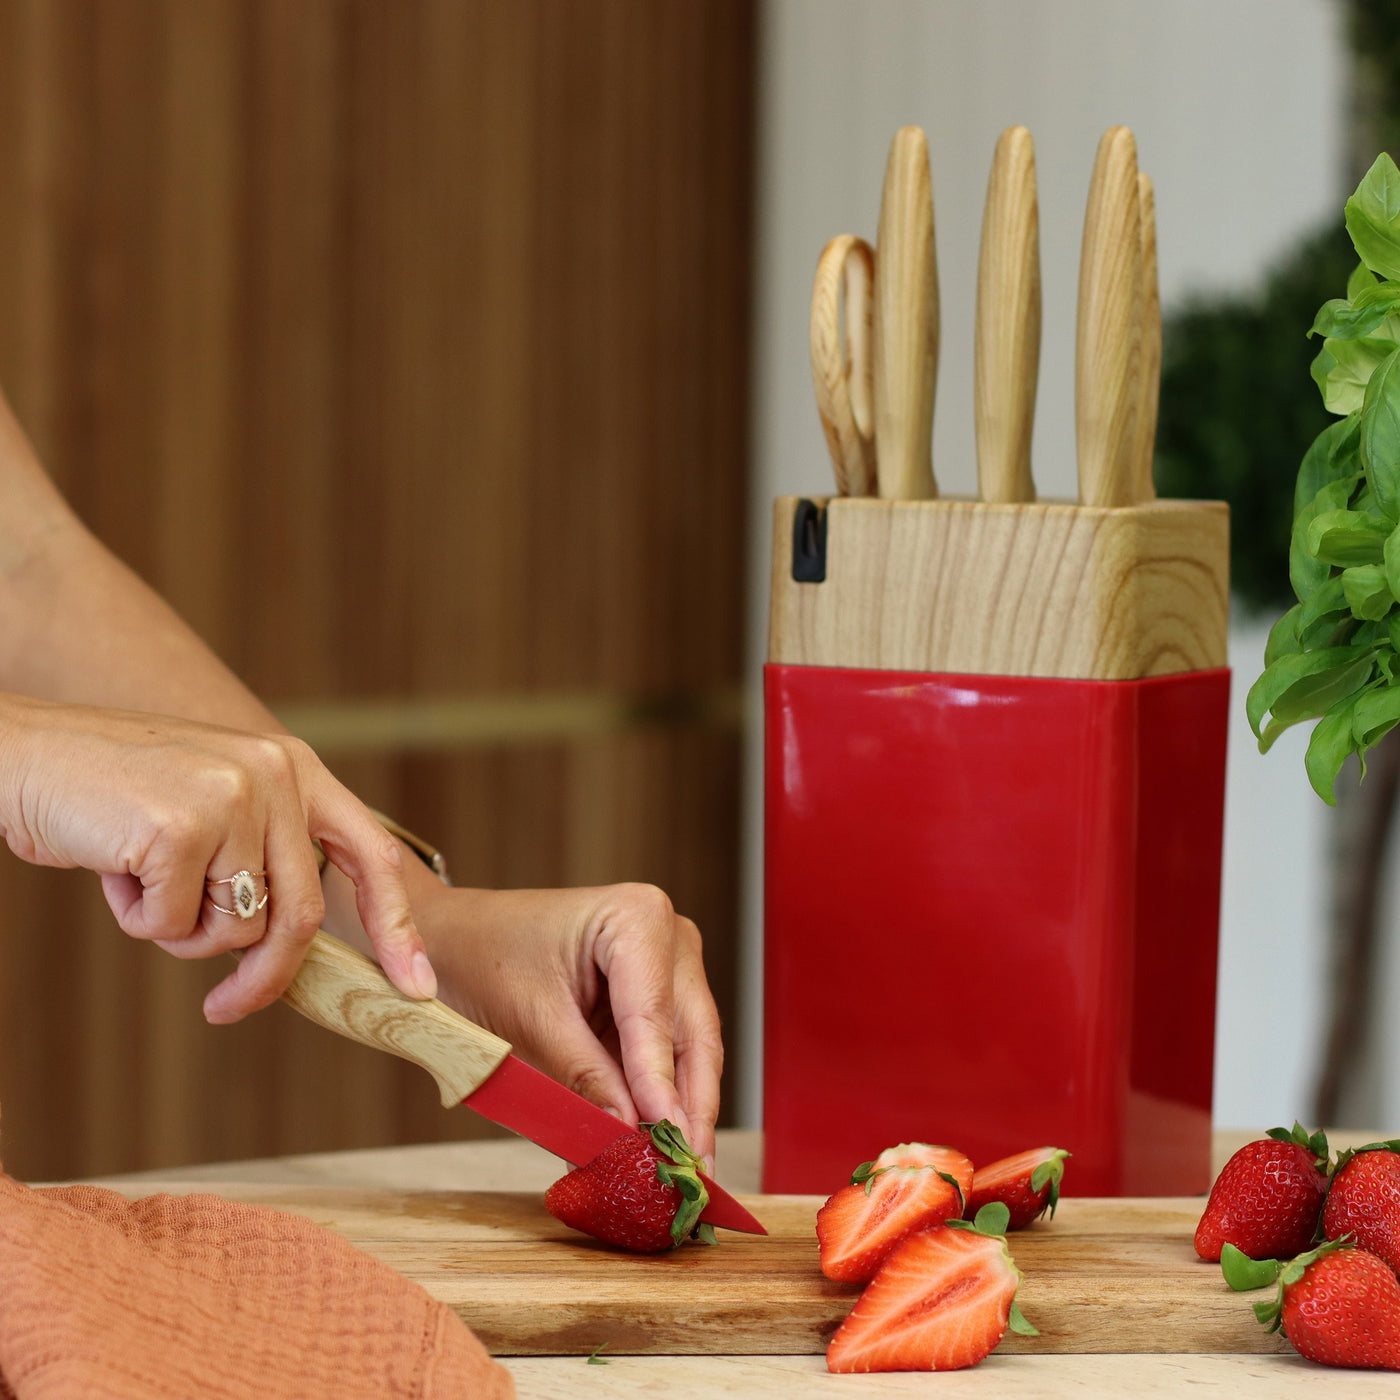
[(1144, 489), (345, 992), (1007, 351), (1108, 352), (906, 323)]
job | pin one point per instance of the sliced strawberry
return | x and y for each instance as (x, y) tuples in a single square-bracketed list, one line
[(1027, 1184), (904, 1189), (941, 1301)]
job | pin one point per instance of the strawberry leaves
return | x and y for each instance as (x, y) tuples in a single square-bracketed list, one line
[(1316, 1143), (680, 1167)]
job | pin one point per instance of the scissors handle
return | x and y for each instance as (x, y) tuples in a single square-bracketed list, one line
[(843, 367)]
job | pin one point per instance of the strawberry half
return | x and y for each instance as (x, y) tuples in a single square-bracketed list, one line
[(1339, 1306), (1268, 1197), (642, 1192), (1364, 1201), (906, 1188), (1027, 1184), (941, 1301)]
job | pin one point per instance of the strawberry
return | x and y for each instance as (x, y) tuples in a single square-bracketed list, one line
[(1028, 1184), (904, 1189), (1267, 1198), (1339, 1306), (1364, 1201), (642, 1192), (941, 1301)]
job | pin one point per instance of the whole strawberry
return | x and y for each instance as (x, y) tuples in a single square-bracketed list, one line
[(1338, 1306), (1364, 1201), (642, 1192), (1268, 1197), (1027, 1184)]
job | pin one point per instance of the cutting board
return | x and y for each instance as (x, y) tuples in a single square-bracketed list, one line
[(1105, 1276)]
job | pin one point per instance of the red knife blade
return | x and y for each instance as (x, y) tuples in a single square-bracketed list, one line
[(345, 992), (528, 1102)]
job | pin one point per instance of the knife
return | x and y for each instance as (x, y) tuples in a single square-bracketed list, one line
[(906, 323), (1007, 347), (1108, 349), (345, 992)]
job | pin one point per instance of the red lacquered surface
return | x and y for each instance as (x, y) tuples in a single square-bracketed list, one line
[(991, 920)]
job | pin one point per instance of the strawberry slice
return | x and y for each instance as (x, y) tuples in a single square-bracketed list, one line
[(1028, 1184), (905, 1188), (941, 1301)]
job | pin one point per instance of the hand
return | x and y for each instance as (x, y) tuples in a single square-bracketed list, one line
[(158, 805), (603, 989)]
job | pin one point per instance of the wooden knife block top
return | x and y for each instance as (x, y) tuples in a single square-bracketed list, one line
[(1044, 588)]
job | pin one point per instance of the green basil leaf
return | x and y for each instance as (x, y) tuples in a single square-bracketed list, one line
[(1342, 369), (1347, 537), (1373, 218), (1283, 637), (1305, 571), (1361, 278), (1351, 319), (1278, 692), (1380, 433), (1328, 599), (1331, 744), (1368, 594), (1335, 453), (1376, 713)]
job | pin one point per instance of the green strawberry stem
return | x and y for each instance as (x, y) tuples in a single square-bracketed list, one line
[(1316, 1143), (680, 1167), (1052, 1171)]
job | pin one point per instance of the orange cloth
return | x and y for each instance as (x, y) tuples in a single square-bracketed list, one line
[(199, 1298)]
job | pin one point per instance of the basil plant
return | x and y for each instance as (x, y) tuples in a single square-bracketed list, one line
[(1333, 656)]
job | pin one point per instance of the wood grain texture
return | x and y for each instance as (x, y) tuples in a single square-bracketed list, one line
[(1108, 346), (345, 992), (1007, 345), (1032, 589), (843, 364), (452, 297), (1144, 488), (1105, 1276), (906, 322)]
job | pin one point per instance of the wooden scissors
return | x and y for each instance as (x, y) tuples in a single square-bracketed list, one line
[(843, 365)]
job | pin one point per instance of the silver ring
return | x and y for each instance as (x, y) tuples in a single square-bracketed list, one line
[(244, 889)]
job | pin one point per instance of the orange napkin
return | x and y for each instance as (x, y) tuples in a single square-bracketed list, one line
[(199, 1298)]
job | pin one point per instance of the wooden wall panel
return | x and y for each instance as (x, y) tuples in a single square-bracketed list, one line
[(402, 344)]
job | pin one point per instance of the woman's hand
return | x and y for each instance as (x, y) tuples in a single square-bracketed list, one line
[(603, 989), (158, 805)]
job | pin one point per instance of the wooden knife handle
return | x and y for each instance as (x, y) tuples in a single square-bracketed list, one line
[(1144, 489), (345, 992), (1007, 348), (843, 367), (1108, 358), (906, 323)]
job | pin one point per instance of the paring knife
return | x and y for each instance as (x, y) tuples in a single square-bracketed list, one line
[(345, 992), (1007, 351), (843, 367), (1108, 348), (906, 323)]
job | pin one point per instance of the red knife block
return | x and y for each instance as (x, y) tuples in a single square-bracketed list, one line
[(992, 884)]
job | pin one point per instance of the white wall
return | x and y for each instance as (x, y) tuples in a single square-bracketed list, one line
[(1238, 110)]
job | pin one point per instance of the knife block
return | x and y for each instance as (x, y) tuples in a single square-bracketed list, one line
[(994, 792)]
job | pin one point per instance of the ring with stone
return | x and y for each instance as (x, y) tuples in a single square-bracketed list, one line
[(243, 888)]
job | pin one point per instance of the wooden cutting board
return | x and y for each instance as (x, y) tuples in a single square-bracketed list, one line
[(1104, 1276)]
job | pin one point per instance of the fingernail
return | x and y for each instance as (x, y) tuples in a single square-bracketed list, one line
[(614, 1110), (421, 975)]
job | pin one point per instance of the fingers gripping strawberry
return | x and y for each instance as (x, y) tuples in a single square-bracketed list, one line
[(905, 1188), (1364, 1201), (1028, 1184), (941, 1301), (642, 1192), (1268, 1197)]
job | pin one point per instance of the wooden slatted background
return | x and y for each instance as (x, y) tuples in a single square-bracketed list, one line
[(402, 344)]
